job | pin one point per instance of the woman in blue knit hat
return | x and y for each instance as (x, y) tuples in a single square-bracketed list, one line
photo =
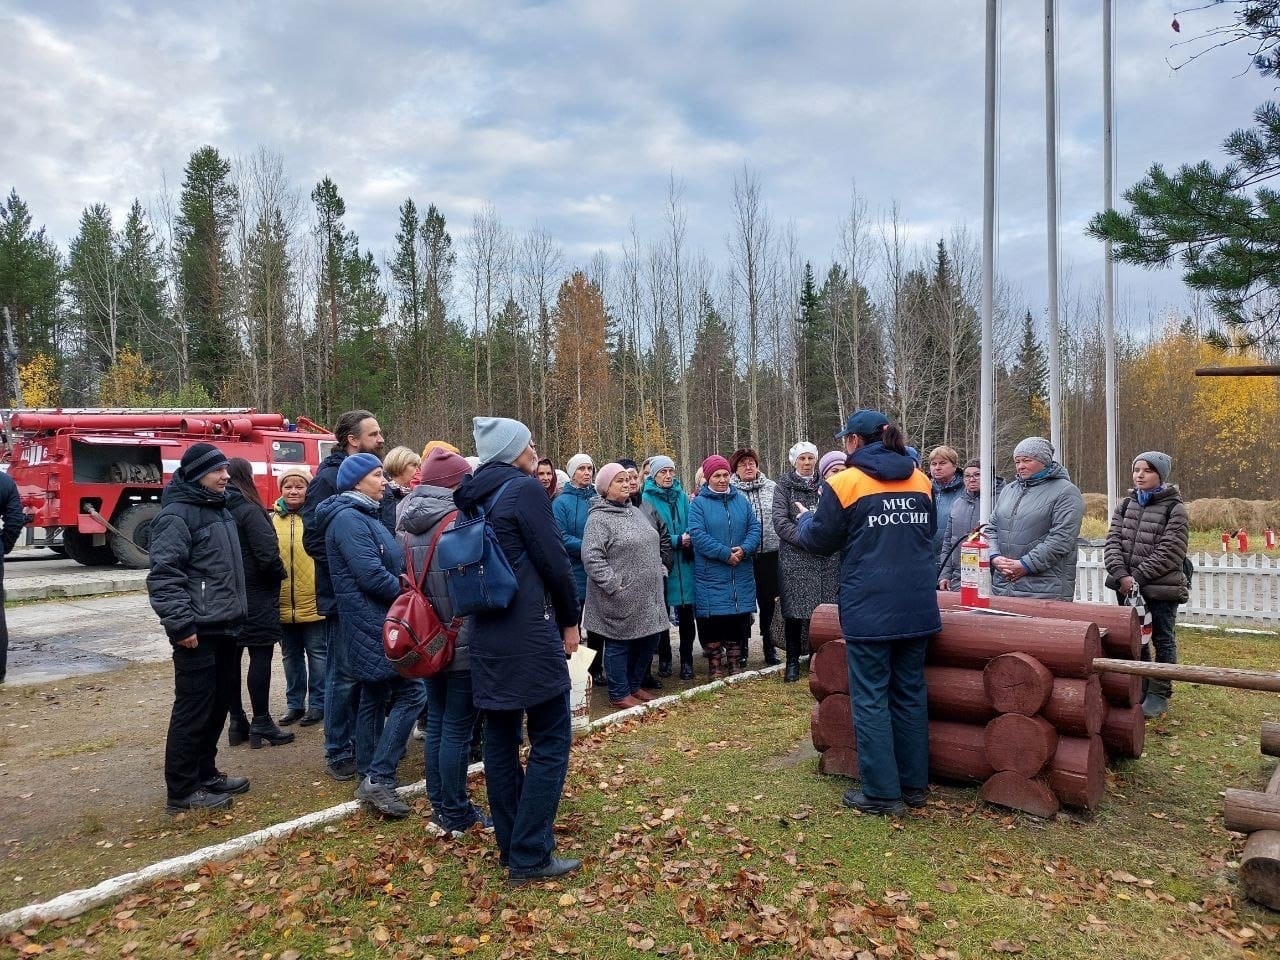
[(365, 564)]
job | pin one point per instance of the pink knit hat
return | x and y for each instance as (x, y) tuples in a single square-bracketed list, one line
[(443, 469), (608, 473), (712, 464)]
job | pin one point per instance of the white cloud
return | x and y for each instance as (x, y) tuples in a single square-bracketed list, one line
[(572, 114)]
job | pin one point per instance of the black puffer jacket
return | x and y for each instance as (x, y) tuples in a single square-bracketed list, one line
[(421, 515), (321, 488), (263, 570), (197, 576), (1149, 544)]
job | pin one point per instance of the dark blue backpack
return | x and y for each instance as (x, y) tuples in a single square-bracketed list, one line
[(477, 573)]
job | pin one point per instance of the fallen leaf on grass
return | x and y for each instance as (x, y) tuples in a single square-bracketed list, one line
[(946, 886), (1007, 946)]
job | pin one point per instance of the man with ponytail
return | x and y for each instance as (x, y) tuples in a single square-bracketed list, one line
[(880, 513)]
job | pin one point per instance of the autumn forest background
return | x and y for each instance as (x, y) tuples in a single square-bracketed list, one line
[(240, 287)]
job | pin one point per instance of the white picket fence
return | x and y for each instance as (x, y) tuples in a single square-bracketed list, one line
[(1227, 586)]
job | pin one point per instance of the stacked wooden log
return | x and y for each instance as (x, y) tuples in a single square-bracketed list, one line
[(1257, 813), (1014, 702)]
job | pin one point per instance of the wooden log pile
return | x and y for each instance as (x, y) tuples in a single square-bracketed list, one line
[(1014, 702), (1257, 813)]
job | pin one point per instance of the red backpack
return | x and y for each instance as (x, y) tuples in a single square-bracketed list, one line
[(414, 639)]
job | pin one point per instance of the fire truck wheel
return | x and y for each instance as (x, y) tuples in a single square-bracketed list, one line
[(135, 524), (81, 549)]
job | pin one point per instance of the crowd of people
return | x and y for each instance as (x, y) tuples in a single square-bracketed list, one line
[(622, 553)]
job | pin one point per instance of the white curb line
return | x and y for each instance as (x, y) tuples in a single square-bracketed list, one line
[(75, 902)]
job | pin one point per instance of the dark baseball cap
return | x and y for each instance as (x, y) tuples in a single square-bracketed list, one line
[(863, 423)]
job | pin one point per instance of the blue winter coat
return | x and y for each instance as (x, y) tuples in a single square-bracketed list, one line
[(672, 506), (517, 654), (879, 512), (365, 564), (717, 523), (570, 508)]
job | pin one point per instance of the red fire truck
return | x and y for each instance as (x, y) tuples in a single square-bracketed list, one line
[(95, 475)]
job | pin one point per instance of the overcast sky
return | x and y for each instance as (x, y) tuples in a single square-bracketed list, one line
[(573, 114)]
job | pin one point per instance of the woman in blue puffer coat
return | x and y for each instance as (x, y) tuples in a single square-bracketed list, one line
[(725, 533), (365, 564)]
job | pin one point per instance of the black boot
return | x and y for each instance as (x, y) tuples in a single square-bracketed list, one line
[(792, 673), (237, 728), (264, 728)]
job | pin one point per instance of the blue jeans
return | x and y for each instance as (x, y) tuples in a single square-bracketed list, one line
[(626, 662), (890, 715), (385, 719), (304, 650), (523, 800), (340, 692), (447, 749)]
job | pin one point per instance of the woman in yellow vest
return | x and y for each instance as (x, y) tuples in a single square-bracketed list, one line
[(304, 648)]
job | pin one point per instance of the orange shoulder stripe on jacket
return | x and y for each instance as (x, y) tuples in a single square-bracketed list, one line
[(851, 484)]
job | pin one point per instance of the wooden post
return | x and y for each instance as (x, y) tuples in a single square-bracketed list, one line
[(1076, 707), (1217, 676), (957, 751), (1270, 738), (1078, 771), (1247, 810), (957, 694), (1008, 789), (1018, 683), (1260, 861), (1020, 744), (1122, 625), (1124, 731), (970, 639), (828, 670), (824, 626)]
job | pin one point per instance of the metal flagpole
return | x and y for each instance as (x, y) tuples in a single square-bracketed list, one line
[(986, 434), (1051, 222), (1108, 286)]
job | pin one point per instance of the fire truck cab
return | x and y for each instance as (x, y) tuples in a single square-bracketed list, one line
[(95, 475)]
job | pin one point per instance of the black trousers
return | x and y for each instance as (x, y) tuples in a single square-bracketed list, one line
[(766, 573), (206, 680), (720, 633), (688, 630), (258, 679), (4, 632)]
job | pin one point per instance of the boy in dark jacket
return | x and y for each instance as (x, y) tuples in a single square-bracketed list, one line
[(196, 587)]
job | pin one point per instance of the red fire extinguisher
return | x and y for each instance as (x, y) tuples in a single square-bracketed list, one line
[(1270, 538), (975, 571), (1226, 541), (1242, 540)]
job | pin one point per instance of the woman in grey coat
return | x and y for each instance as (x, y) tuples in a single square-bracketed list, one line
[(626, 603), (804, 579), (1035, 526)]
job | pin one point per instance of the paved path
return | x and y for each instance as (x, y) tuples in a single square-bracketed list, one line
[(39, 574), (69, 638)]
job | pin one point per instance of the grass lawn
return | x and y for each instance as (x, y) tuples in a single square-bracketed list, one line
[(706, 831)]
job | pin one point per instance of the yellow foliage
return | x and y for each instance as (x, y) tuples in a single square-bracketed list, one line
[(40, 386), (647, 436), (1220, 431), (127, 382)]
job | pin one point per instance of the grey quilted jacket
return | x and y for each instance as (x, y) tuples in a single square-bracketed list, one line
[(1037, 521), (623, 559), (1149, 544), (759, 493)]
